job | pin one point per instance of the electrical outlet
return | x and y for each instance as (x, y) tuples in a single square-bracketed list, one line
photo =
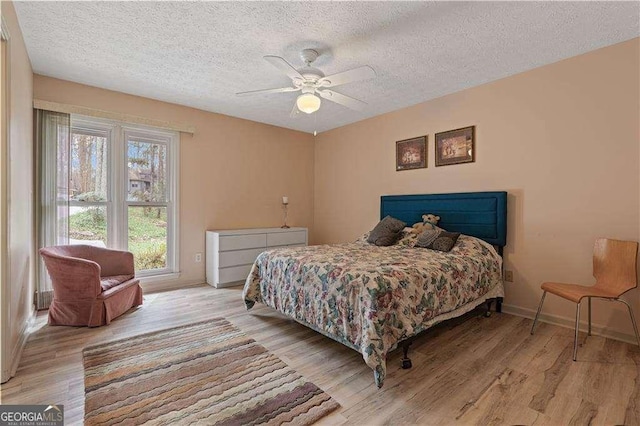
[(198, 257), (508, 276)]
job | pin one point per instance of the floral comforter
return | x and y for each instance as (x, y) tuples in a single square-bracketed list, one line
[(368, 297)]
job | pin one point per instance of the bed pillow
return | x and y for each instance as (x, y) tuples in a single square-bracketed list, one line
[(437, 239), (386, 232)]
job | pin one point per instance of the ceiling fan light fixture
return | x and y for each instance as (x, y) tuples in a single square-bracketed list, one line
[(308, 103)]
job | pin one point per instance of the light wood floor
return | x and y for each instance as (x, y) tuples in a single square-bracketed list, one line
[(477, 371)]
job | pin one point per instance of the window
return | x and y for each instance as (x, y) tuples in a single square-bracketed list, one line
[(122, 191), (148, 205), (89, 189)]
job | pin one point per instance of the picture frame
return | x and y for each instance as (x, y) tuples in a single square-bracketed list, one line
[(411, 153), (455, 146)]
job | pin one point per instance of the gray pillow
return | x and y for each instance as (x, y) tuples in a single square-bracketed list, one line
[(386, 232), (437, 239)]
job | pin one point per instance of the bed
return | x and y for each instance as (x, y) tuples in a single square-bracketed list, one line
[(373, 299)]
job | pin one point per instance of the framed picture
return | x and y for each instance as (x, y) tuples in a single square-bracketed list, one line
[(456, 146), (411, 154)]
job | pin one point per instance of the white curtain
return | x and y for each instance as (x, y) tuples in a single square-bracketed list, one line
[(52, 170)]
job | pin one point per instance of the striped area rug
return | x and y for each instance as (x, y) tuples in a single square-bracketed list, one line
[(205, 373)]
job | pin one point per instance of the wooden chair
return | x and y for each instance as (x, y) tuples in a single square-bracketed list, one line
[(615, 271)]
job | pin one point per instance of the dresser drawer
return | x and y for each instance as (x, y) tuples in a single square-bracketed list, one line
[(286, 238), (240, 242), (239, 257), (233, 273)]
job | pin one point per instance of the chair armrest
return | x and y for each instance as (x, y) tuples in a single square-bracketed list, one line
[(72, 278)]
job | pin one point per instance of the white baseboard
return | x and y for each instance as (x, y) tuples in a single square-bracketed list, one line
[(16, 354), (159, 286), (566, 322)]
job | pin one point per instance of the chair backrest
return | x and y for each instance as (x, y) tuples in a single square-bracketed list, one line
[(112, 262), (71, 250), (614, 265)]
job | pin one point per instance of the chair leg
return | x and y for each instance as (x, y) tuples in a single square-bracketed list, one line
[(589, 333), (538, 313), (633, 320), (575, 341)]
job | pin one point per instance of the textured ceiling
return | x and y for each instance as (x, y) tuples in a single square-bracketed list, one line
[(201, 53)]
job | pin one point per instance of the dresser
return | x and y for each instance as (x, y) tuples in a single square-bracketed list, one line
[(230, 253)]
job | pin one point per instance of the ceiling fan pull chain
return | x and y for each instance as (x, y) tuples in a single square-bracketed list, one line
[(315, 125)]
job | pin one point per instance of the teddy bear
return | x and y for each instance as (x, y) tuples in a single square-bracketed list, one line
[(429, 221)]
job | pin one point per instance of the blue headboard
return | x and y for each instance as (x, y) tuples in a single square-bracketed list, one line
[(479, 214)]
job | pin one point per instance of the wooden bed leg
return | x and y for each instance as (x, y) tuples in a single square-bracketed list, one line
[(489, 303), (406, 362), (499, 304)]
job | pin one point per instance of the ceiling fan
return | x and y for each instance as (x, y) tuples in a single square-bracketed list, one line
[(314, 84)]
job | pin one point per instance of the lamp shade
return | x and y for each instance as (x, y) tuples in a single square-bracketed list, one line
[(308, 103)]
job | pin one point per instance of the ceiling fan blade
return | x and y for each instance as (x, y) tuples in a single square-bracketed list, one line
[(258, 92), (356, 74), (341, 99), (284, 66)]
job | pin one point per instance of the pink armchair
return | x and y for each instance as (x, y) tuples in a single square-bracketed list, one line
[(91, 285)]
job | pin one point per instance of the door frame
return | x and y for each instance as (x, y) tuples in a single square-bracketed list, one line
[(5, 288)]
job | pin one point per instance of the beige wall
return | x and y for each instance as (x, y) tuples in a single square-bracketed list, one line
[(562, 139), (233, 172), (20, 169)]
